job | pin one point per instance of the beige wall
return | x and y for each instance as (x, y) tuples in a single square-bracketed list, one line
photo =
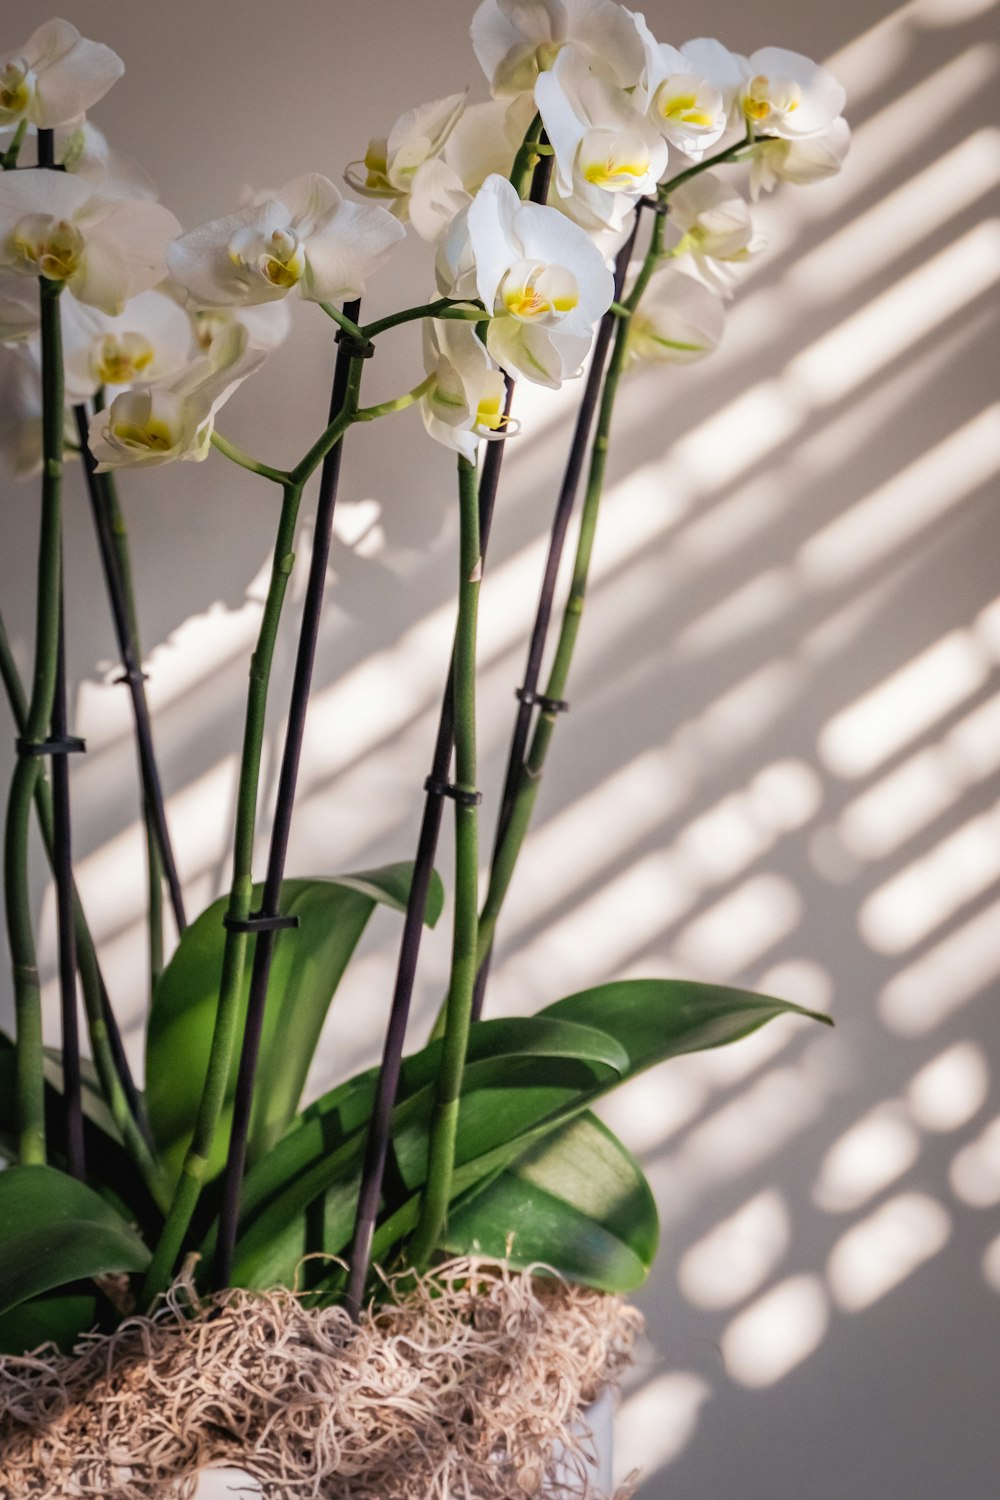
[(781, 765)]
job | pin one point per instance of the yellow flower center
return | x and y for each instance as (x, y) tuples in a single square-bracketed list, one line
[(45, 246), (377, 166), (764, 97), (279, 257), (536, 293), (16, 87), (613, 160), (490, 413), (120, 358), (152, 435), (677, 101)]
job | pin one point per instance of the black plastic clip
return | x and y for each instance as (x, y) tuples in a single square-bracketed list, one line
[(548, 705), (65, 745), (465, 796), (356, 348), (257, 922), (133, 676)]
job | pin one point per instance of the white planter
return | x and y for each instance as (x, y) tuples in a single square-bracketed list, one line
[(230, 1484)]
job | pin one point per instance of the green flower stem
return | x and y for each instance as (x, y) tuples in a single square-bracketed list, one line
[(228, 1013), (112, 538), (464, 959), (384, 408), (308, 465), (343, 321), (9, 159), (154, 859), (237, 456), (512, 838), (527, 157), (444, 307), (27, 990), (731, 153), (102, 1042)]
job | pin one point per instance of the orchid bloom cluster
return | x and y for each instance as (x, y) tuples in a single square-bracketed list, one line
[(165, 325), (574, 215)]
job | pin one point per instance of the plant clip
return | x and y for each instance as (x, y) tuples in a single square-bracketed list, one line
[(356, 348), (464, 795), (528, 696), (132, 677), (64, 745), (256, 921)]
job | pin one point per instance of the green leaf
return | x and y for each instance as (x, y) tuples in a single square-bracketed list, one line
[(59, 1319), (577, 1202), (321, 1159), (654, 1019), (307, 967), (302, 1198), (56, 1230)]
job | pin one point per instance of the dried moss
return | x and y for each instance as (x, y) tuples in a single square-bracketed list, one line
[(461, 1387)]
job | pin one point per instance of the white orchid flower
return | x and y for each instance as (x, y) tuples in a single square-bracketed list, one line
[(713, 220), (485, 140), (785, 94), (148, 342), (516, 40), (800, 161), (540, 277), (267, 325), (105, 249), (306, 238), (607, 155), (174, 419), (722, 70), (55, 76), (465, 400), (678, 321), (689, 110), (391, 163)]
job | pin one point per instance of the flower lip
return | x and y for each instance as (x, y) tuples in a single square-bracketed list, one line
[(685, 99), (139, 422), (764, 97), (17, 86), (120, 358), (615, 160), (278, 258), (47, 246), (537, 293)]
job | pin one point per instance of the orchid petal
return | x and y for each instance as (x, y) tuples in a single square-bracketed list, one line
[(341, 256)]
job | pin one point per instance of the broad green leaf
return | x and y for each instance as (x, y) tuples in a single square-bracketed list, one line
[(59, 1319), (321, 1159), (658, 1018), (577, 1202), (307, 967), (304, 1200), (54, 1230)]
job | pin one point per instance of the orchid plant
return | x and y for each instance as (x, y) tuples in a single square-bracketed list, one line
[(579, 219)]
